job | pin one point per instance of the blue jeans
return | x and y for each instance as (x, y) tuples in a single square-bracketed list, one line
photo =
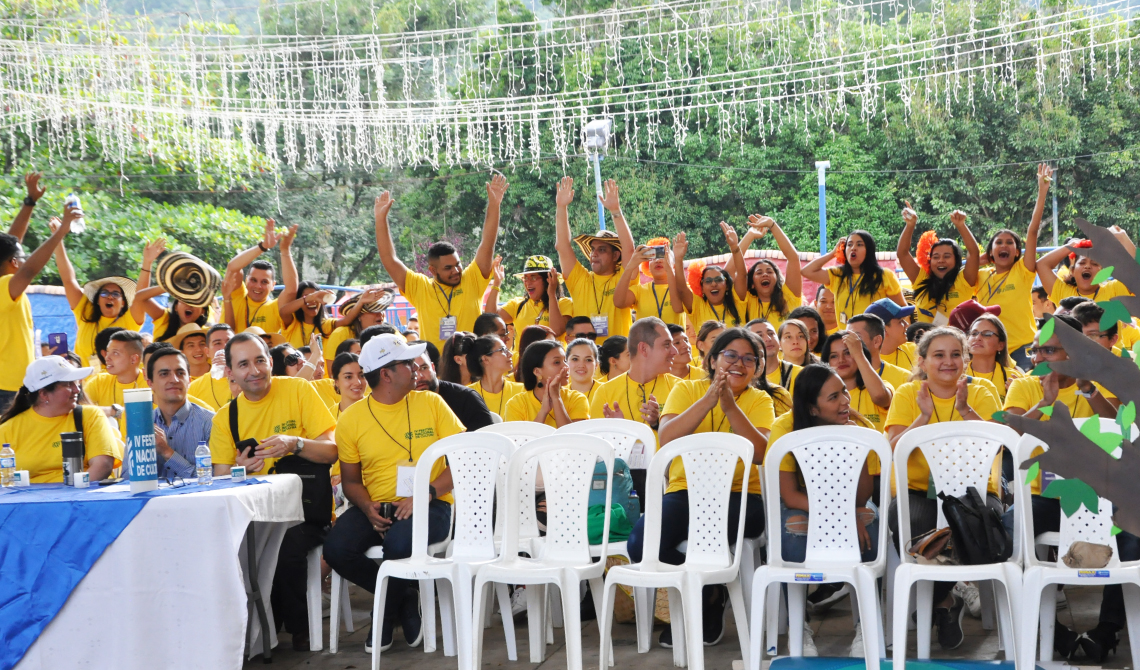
[(675, 525), (793, 544), (352, 535)]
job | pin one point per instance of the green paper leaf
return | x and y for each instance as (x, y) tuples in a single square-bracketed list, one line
[(1047, 411), (1138, 255), (1034, 470), (1106, 441), (1126, 417), (1114, 311), (999, 416), (1125, 354), (1116, 530), (1104, 275), (1042, 369), (1071, 494), (1046, 331)]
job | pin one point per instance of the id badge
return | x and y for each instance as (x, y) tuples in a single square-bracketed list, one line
[(405, 480), (637, 456), (446, 327), (843, 318), (601, 324), (940, 319)]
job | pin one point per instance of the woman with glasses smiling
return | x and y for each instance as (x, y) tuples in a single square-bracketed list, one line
[(989, 354), (489, 362)]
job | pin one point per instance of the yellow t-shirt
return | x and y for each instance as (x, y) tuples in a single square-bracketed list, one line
[(105, 390), (594, 295), (16, 335), (298, 333), (902, 357), (694, 373), (653, 300), (383, 438), (1129, 334), (765, 310), (35, 439), (893, 374), (703, 311), (1027, 391), (783, 426), (326, 389), (249, 313), (214, 392), (781, 400), (755, 404), (291, 407), (497, 402), (334, 340), (904, 410), (861, 402), (776, 376), (1012, 291), (434, 301), (524, 407), (849, 301), (998, 377), (84, 346), (925, 309), (525, 312), (629, 395), (1106, 291)]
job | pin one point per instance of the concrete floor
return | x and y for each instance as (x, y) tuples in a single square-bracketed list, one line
[(832, 633)]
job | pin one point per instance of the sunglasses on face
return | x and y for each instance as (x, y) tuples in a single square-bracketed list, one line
[(712, 280), (292, 359), (588, 336), (983, 333)]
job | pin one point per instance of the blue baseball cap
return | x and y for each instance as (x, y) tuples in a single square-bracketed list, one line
[(887, 309)]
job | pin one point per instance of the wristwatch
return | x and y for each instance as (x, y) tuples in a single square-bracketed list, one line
[(29, 201), (116, 411), (431, 492), (1086, 394), (300, 445)]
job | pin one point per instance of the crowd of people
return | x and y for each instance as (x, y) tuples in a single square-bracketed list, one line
[(616, 330)]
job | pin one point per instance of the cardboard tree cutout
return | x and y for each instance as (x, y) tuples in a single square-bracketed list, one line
[(1094, 463)]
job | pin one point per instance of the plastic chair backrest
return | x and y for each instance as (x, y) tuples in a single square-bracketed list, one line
[(520, 433), (567, 463), (495, 418), (474, 462), (830, 459), (623, 434), (960, 454), (710, 461)]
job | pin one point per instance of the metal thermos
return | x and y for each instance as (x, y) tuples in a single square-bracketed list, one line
[(72, 444)]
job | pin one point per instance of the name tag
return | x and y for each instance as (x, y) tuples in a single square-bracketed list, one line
[(601, 324), (637, 456), (405, 480), (940, 319), (446, 327), (809, 576), (1094, 574), (843, 318)]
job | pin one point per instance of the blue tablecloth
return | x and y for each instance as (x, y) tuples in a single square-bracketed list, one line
[(50, 536)]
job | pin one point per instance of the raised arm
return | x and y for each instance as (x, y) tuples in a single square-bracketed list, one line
[(973, 253), (39, 258), (312, 300), (491, 298), (739, 271), (66, 270), (624, 295), (745, 243), (1047, 263), (680, 295), (558, 320), (230, 283), (19, 225), (496, 188), (612, 203), (144, 302), (906, 260), (289, 277), (244, 258), (562, 240), (815, 271), (880, 393), (368, 296), (395, 267), (1044, 180), (793, 278)]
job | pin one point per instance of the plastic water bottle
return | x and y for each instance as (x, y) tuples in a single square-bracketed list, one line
[(204, 464), (7, 466)]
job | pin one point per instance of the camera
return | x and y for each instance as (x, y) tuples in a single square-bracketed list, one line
[(658, 252)]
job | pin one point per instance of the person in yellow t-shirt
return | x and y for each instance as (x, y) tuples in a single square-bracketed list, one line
[(824, 305), (105, 390), (17, 271), (451, 300), (301, 303), (582, 358), (214, 392), (682, 367), (489, 362), (380, 440), (593, 290), (167, 321), (652, 297), (1088, 314), (872, 331), (725, 402), (192, 342), (871, 397), (358, 313), (777, 372), (639, 393), (989, 354), (770, 295), (278, 419), (941, 392), (546, 397), (821, 400), (859, 281), (795, 343), (97, 305), (940, 280), (348, 383), (1082, 271), (543, 305), (895, 348), (247, 300), (709, 292), (45, 407), (613, 358), (1009, 282)]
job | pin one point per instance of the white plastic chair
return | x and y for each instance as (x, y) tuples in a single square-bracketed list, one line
[(830, 458), (960, 454), (313, 601), (567, 463), (1041, 575), (474, 463), (710, 461)]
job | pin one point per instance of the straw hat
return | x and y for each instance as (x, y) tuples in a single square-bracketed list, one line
[(186, 331), (379, 305), (608, 236), (189, 280), (274, 338), (536, 265), (91, 288)]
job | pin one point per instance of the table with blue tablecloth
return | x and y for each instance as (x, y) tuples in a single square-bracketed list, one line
[(145, 581)]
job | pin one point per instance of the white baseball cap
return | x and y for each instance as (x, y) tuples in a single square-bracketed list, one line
[(51, 369), (387, 348)]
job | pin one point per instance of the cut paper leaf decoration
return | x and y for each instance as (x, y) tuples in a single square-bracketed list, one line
[(1114, 531), (1104, 275), (1042, 369), (1034, 470), (1114, 311), (1107, 441), (1047, 411), (1125, 417), (999, 415), (1046, 331), (1071, 494)]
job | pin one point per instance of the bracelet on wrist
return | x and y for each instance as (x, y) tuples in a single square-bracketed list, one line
[(29, 201), (262, 247)]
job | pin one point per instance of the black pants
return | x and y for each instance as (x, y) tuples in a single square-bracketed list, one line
[(290, 607)]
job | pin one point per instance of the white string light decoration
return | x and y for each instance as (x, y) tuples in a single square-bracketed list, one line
[(518, 93)]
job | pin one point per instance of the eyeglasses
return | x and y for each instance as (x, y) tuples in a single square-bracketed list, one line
[(110, 294), (501, 350), (983, 333), (730, 357), (589, 336), (713, 280), (176, 482), (1044, 351)]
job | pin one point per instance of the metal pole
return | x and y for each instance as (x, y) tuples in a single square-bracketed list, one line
[(598, 189), (1055, 243), (821, 167)]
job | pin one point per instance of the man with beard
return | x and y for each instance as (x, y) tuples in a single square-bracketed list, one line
[(466, 403), (179, 425)]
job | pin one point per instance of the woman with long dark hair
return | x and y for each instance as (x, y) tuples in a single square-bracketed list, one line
[(547, 399), (529, 336), (859, 280), (304, 315), (582, 357), (845, 353), (453, 358), (816, 326), (709, 293), (989, 354), (167, 321), (795, 343), (940, 281), (348, 383), (544, 303), (489, 363), (769, 295), (613, 357)]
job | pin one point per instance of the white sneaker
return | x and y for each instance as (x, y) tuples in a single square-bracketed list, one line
[(518, 601), (857, 643), (809, 643), (968, 592)]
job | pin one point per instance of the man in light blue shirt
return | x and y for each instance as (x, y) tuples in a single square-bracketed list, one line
[(179, 425)]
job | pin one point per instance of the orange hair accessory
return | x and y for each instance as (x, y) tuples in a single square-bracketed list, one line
[(925, 243), (655, 242), (693, 275), (841, 251), (1078, 244)]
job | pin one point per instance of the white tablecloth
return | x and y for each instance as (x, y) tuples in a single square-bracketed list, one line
[(170, 592)]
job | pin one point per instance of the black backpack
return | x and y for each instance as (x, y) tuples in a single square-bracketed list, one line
[(316, 481), (979, 537)]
